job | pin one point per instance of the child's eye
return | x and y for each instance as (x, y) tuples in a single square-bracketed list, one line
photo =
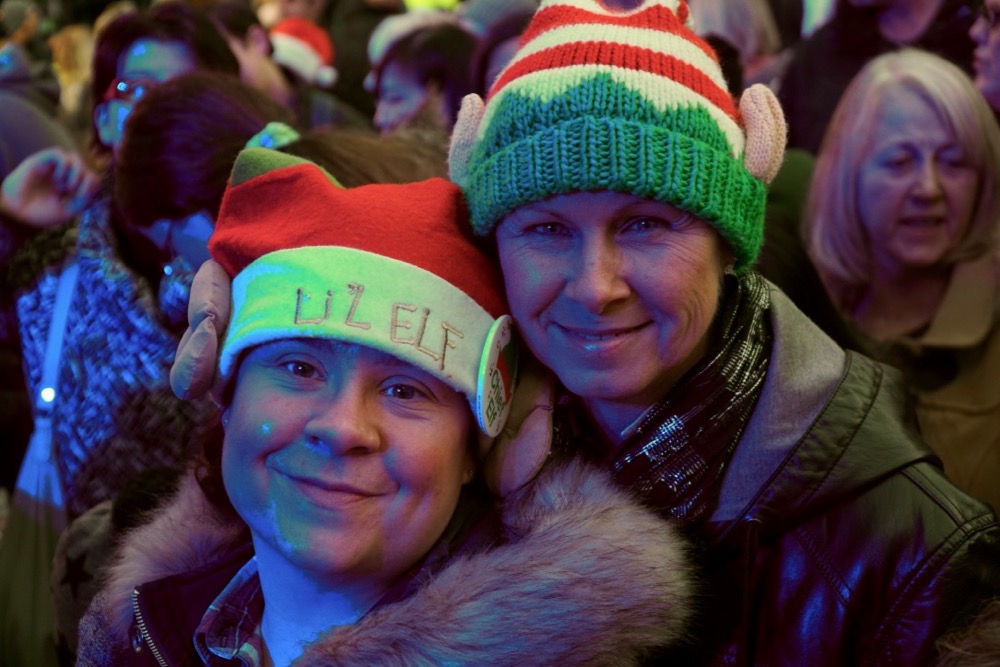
[(404, 392), (300, 369)]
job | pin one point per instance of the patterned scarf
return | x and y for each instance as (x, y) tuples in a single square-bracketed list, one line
[(676, 457)]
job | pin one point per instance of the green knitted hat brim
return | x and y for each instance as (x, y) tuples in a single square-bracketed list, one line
[(534, 150)]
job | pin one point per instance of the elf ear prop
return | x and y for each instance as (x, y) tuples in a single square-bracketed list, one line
[(463, 137), (523, 446), (193, 373), (766, 132)]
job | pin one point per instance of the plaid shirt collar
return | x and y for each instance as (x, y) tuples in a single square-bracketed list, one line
[(230, 629)]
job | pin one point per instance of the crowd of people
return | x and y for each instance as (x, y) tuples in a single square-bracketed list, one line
[(615, 332)]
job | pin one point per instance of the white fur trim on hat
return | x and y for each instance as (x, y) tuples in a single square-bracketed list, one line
[(302, 59)]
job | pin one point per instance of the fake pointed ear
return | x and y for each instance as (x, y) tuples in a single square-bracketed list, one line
[(463, 137), (193, 372), (766, 132), (523, 446)]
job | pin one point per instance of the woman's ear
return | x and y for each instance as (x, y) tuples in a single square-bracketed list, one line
[(104, 124)]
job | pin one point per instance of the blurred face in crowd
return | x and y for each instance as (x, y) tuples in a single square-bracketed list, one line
[(186, 237), (985, 32), (402, 99), (615, 293), (310, 9), (917, 189), (344, 461), (146, 63)]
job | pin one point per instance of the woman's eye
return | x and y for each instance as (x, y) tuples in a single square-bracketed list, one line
[(545, 229), (954, 160), (644, 224), (300, 369), (896, 161), (403, 392), (653, 223)]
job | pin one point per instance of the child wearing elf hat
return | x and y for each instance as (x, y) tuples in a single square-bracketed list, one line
[(367, 365), (624, 189)]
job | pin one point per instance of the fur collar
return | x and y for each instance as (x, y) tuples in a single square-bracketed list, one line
[(588, 576)]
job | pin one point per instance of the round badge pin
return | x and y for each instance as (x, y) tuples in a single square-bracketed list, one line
[(497, 373)]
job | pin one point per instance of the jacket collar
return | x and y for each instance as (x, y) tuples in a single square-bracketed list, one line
[(828, 423), (967, 311)]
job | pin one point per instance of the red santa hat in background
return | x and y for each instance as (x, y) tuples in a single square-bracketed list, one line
[(304, 48)]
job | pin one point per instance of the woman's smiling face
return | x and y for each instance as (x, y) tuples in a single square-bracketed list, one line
[(343, 459), (615, 293)]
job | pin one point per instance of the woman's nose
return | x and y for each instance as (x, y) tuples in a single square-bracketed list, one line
[(929, 179), (345, 423), (597, 276)]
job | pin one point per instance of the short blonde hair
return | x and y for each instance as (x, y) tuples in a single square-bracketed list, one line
[(833, 231)]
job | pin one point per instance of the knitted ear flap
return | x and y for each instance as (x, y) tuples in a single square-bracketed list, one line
[(463, 136), (766, 132)]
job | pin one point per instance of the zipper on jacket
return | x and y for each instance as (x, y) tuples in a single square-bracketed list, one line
[(144, 633), (746, 654)]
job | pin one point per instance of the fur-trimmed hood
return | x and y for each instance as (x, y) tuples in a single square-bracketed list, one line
[(587, 577)]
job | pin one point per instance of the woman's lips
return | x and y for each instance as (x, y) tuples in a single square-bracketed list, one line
[(599, 339), (330, 494)]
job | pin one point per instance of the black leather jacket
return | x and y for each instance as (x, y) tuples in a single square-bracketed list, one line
[(854, 549)]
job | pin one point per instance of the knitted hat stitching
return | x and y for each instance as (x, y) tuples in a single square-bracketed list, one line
[(631, 101)]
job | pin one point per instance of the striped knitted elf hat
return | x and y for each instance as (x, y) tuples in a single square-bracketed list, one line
[(384, 266), (604, 98)]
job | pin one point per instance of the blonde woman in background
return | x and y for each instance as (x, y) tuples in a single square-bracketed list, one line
[(901, 225)]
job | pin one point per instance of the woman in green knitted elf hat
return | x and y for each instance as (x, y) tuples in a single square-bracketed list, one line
[(624, 191)]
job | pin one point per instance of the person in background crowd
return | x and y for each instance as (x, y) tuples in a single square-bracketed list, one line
[(901, 225), (420, 71), (824, 64), (24, 24), (497, 36), (254, 50), (339, 519), (18, 76), (96, 360), (749, 26), (72, 52), (351, 24), (27, 129), (985, 32), (626, 201)]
